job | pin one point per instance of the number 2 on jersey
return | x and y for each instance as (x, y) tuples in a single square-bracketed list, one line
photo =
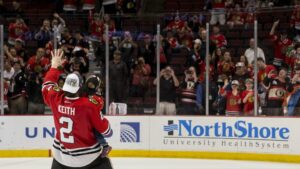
[(66, 131)]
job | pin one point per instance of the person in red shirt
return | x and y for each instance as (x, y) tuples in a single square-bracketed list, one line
[(111, 23), (96, 25), (75, 119), (248, 98), (17, 30), (281, 44), (218, 11), (39, 63), (225, 65), (218, 39), (236, 17), (176, 26), (233, 98)]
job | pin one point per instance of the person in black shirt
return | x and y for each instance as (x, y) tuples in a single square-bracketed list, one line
[(35, 99), (168, 85), (118, 77), (16, 94), (67, 42)]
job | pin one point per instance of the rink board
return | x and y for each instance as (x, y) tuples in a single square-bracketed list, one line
[(246, 138)]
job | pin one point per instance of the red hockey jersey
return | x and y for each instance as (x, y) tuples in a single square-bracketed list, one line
[(75, 120)]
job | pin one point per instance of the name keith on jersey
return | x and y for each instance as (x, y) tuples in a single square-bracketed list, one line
[(66, 110)]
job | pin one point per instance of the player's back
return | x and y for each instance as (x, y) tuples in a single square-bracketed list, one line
[(75, 121)]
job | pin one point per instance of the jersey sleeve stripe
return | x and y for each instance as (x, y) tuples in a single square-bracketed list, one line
[(108, 131)]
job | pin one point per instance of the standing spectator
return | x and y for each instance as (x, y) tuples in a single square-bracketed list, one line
[(45, 34), (12, 55), (249, 66), (194, 56), (292, 59), (293, 98), (96, 26), (249, 53), (128, 49), (17, 91), (35, 99), (281, 44), (218, 39), (236, 17), (233, 99), (118, 75), (276, 91), (58, 25), (248, 98), (39, 63), (81, 49), (168, 84), (175, 26), (8, 70), (67, 43), (140, 78), (77, 63), (188, 94), (218, 11), (225, 65), (165, 51), (111, 23), (216, 57), (147, 50), (17, 30), (241, 74), (21, 50), (194, 23), (219, 100), (202, 36), (263, 69)]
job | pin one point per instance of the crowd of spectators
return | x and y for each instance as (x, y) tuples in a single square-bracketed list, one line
[(132, 61)]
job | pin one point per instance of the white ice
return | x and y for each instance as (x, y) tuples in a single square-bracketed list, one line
[(152, 163)]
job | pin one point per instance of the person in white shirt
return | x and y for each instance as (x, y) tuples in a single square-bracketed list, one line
[(8, 71), (249, 53)]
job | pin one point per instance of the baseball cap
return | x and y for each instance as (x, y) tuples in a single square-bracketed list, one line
[(235, 82), (72, 83)]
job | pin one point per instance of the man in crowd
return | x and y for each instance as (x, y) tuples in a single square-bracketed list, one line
[(168, 85), (249, 53)]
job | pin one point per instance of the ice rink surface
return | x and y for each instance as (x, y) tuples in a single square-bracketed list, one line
[(152, 163)]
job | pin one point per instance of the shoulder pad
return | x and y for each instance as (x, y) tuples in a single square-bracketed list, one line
[(94, 101), (56, 88)]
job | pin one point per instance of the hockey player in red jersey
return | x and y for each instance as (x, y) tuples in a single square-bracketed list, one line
[(75, 119)]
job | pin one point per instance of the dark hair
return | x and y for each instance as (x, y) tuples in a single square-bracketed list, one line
[(260, 59)]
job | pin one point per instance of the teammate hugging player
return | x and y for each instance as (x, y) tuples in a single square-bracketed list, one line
[(75, 119)]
